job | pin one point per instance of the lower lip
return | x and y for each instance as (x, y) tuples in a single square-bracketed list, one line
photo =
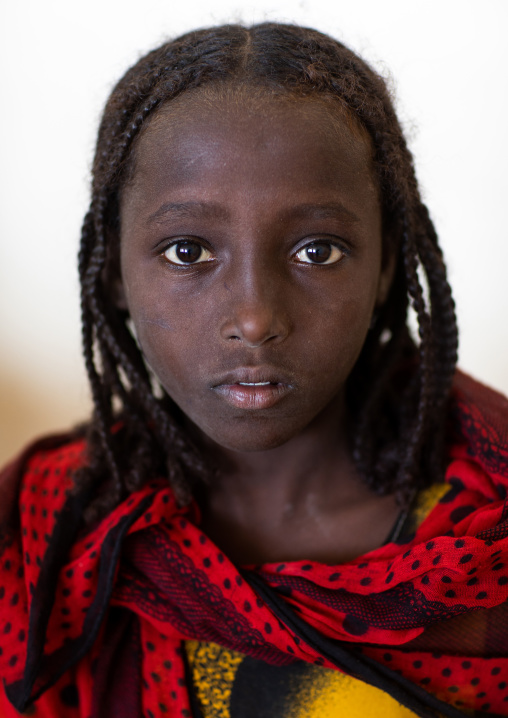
[(252, 397)]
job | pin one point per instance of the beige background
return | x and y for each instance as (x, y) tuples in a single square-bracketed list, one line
[(59, 60)]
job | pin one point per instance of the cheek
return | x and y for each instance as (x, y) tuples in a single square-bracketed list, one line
[(344, 340), (162, 341), (153, 311), (172, 340), (173, 368), (337, 332)]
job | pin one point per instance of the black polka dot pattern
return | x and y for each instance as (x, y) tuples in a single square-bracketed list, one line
[(444, 569)]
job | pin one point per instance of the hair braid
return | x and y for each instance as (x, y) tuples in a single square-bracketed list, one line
[(182, 460), (397, 390), (108, 381), (426, 393)]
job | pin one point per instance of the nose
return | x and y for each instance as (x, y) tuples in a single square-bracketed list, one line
[(256, 313)]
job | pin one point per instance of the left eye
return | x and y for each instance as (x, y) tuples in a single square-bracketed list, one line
[(186, 251), (319, 253)]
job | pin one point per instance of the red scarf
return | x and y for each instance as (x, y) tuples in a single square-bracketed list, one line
[(95, 626)]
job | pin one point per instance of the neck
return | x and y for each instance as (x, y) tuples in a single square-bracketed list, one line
[(303, 499), (309, 462)]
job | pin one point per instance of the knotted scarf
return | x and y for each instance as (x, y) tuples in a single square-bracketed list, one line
[(93, 625)]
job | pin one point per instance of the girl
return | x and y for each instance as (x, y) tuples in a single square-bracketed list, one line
[(283, 505)]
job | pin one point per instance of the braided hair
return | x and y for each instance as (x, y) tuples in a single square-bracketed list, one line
[(399, 387)]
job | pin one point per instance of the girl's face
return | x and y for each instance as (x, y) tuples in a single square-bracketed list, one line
[(251, 261)]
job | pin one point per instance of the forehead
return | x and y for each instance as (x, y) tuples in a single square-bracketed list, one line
[(252, 144), (252, 116)]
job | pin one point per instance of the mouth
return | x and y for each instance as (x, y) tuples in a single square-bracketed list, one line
[(254, 383), (252, 388)]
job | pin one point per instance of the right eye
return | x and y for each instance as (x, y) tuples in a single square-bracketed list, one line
[(186, 251), (320, 253)]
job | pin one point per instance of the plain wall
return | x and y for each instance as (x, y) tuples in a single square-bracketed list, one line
[(59, 60)]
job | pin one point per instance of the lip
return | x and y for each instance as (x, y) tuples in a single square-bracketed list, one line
[(253, 388)]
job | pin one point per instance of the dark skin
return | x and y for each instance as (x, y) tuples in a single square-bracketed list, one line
[(252, 263)]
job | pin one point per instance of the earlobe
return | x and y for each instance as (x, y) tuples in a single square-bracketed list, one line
[(386, 278), (111, 275), (387, 274), (117, 294)]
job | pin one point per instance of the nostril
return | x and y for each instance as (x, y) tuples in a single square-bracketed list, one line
[(254, 324)]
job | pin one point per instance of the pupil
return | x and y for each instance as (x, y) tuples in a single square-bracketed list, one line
[(188, 252), (319, 252)]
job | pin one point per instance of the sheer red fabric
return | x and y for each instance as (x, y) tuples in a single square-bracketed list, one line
[(95, 625)]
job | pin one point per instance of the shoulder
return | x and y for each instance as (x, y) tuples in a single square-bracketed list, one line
[(45, 466), (471, 394), (479, 418)]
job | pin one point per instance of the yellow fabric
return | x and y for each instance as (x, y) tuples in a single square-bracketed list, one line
[(330, 693), (424, 503), (319, 694), (213, 672)]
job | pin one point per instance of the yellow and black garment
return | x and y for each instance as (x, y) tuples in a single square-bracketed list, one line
[(228, 684)]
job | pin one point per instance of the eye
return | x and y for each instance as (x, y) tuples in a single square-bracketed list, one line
[(186, 251), (319, 253)]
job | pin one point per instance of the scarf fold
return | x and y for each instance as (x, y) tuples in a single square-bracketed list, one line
[(95, 624)]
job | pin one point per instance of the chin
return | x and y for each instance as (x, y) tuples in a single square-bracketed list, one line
[(252, 446), (248, 439)]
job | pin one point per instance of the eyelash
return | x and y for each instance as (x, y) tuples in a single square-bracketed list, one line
[(333, 259), (173, 248)]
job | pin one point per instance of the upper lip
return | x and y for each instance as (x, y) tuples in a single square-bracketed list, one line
[(251, 375)]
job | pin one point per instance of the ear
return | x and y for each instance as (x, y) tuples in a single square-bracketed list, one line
[(117, 293), (112, 276), (389, 264)]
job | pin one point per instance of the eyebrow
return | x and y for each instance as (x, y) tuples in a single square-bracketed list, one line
[(213, 210), (183, 210), (328, 210)]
